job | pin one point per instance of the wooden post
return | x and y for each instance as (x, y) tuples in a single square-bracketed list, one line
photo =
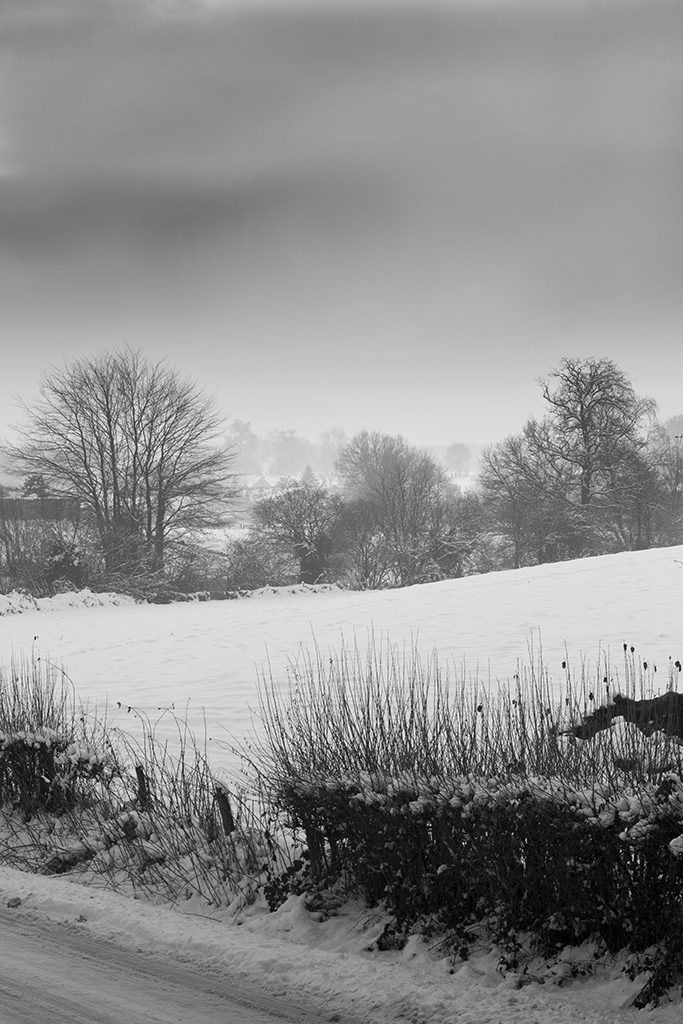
[(143, 788), (223, 801)]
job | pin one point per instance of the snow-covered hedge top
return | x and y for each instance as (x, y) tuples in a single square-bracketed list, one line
[(69, 751), (42, 736), (638, 811), (19, 601), (421, 795), (295, 588)]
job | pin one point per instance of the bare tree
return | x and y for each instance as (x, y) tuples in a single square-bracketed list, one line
[(527, 497), (577, 482), (371, 558), (403, 501), (328, 449), (243, 442), (136, 444), (459, 458), (305, 519), (290, 453), (596, 421), (665, 459)]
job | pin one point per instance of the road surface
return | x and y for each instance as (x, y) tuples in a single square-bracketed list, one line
[(59, 974)]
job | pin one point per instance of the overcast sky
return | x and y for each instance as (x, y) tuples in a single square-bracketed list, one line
[(345, 213)]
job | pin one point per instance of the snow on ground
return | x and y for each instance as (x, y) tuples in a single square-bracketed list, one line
[(207, 654), (20, 601), (327, 965)]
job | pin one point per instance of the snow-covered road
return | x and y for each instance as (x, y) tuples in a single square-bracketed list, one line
[(87, 955), (65, 975)]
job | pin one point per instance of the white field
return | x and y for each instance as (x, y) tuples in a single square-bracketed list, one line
[(205, 658)]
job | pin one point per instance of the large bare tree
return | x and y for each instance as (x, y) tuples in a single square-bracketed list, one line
[(137, 444), (403, 511), (581, 480), (597, 422)]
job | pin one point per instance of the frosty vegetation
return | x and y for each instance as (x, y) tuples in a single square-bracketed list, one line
[(537, 819)]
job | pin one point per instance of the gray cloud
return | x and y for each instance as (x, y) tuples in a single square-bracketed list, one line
[(370, 177)]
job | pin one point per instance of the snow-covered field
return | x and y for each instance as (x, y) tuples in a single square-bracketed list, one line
[(208, 654)]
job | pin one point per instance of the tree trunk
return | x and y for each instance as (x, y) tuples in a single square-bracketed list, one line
[(311, 565)]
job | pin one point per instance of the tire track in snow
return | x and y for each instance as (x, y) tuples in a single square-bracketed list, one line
[(50, 972)]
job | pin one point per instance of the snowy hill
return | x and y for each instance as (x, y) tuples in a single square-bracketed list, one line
[(208, 655)]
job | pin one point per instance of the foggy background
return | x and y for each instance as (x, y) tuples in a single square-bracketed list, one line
[(353, 214)]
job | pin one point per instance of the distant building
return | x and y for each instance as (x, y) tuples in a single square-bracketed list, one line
[(251, 490), (261, 488), (38, 509)]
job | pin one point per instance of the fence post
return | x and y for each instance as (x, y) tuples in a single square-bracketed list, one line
[(223, 801), (143, 788)]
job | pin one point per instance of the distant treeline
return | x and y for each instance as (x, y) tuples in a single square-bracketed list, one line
[(131, 483)]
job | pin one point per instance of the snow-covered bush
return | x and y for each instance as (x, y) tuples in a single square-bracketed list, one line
[(50, 756)]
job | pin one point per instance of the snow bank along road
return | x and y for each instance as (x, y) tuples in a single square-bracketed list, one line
[(49, 972), (85, 955)]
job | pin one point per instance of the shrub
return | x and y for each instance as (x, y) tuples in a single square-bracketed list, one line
[(49, 755), (81, 796), (254, 562), (65, 564)]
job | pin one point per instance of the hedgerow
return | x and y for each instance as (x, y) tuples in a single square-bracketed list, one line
[(119, 808), (51, 757), (465, 810)]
